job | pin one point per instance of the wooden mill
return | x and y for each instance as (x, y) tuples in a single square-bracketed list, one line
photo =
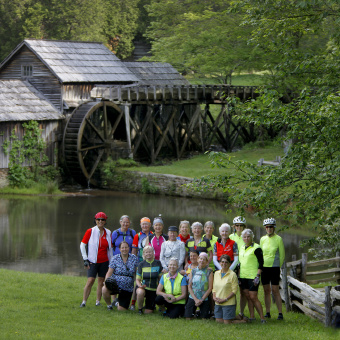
[(95, 106)]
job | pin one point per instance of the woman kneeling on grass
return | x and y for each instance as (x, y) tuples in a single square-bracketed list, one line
[(122, 268), (224, 293), (172, 291), (200, 286), (148, 273)]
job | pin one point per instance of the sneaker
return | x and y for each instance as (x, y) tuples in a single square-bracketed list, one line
[(82, 304), (268, 316), (97, 303), (109, 307), (280, 317), (140, 312), (115, 304), (132, 307), (253, 319), (263, 321), (241, 315)]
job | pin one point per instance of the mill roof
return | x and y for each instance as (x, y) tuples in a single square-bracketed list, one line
[(20, 101), (151, 73), (75, 61)]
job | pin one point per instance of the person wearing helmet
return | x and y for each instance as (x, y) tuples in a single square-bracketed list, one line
[(239, 224), (97, 257), (274, 256)]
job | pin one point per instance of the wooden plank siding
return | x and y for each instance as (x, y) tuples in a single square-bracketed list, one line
[(76, 94), (49, 130), (42, 79)]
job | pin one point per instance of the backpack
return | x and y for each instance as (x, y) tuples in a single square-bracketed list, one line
[(119, 233)]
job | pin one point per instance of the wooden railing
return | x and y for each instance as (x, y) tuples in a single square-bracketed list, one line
[(320, 304), (299, 269), (215, 94)]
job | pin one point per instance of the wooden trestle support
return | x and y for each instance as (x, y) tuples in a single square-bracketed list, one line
[(148, 123)]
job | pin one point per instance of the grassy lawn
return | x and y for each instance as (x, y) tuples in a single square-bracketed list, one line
[(46, 306), (199, 165)]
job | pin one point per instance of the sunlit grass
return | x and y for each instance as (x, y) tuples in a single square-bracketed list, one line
[(46, 306), (199, 165)]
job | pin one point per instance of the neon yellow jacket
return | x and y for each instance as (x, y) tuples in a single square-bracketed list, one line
[(273, 250), (177, 291), (237, 239), (249, 264)]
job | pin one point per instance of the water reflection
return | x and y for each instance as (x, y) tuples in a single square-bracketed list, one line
[(42, 234)]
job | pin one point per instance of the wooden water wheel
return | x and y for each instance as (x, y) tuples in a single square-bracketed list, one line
[(94, 132)]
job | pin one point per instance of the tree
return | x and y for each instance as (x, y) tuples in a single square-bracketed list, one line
[(113, 22), (120, 25), (305, 187), (201, 37)]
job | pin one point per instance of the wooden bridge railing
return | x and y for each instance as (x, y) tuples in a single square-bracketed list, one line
[(216, 94), (299, 296)]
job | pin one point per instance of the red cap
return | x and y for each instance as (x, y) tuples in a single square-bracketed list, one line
[(101, 215)]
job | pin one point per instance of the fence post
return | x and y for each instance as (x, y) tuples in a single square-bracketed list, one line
[(285, 288), (328, 306), (304, 267), (293, 268)]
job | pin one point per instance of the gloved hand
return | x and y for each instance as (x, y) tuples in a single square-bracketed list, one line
[(256, 281), (86, 263)]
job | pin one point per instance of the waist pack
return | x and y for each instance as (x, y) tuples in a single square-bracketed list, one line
[(112, 286)]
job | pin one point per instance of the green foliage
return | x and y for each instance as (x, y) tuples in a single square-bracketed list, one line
[(112, 170), (113, 22), (147, 187), (120, 25), (26, 157), (301, 41), (200, 37)]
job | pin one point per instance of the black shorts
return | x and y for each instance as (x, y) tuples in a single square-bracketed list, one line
[(98, 268), (270, 275), (190, 309), (150, 297), (124, 298), (248, 284)]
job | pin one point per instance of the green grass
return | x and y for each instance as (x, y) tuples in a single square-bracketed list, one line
[(46, 306), (199, 165), (46, 188)]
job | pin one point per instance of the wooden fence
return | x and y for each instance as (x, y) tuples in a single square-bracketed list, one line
[(320, 304)]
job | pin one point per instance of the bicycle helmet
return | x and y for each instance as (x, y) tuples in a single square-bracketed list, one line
[(100, 215), (239, 220), (268, 221)]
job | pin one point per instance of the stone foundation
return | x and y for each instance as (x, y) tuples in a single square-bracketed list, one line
[(154, 183)]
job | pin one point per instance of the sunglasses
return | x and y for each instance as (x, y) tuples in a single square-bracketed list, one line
[(270, 226), (101, 219), (239, 225)]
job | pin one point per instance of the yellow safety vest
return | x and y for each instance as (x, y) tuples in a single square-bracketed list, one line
[(177, 291), (248, 262)]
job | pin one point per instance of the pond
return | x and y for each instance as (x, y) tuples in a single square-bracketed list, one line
[(42, 234)]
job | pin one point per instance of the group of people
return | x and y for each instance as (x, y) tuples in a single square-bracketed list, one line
[(184, 275)]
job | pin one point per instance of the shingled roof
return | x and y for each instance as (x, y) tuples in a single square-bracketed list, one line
[(150, 73), (20, 101), (73, 61)]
